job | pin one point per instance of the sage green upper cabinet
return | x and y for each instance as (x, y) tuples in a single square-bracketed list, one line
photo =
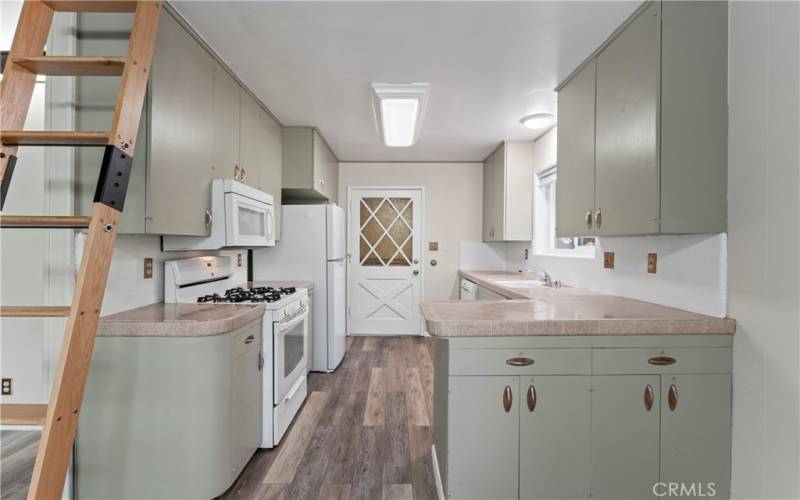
[(660, 128), (181, 133), (310, 169), (627, 184), (554, 424), (575, 181), (695, 430), (485, 437), (225, 160), (508, 192), (624, 436), (261, 149)]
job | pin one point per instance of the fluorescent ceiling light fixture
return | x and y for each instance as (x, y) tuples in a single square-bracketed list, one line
[(538, 121), (399, 108)]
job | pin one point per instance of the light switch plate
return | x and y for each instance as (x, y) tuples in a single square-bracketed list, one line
[(433, 246), (238, 260), (608, 260), (148, 268), (652, 260), (8, 386)]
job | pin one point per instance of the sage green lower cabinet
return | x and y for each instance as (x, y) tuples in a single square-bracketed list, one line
[(566, 417), (484, 438), (554, 423), (625, 436), (696, 431)]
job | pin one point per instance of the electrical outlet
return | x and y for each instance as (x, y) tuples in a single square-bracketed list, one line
[(148, 268), (608, 260), (8, 386), (239, 260), (525, 254), (433, 246), (652, 260)]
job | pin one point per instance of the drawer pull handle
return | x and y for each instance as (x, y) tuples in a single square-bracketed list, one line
[(519, 361), (508, 398), (249, 339), (661, 361), (648, 397), (531, 398), (672, 397)]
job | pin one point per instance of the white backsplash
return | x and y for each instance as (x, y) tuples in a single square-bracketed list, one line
[(691, 275), (127, 288)]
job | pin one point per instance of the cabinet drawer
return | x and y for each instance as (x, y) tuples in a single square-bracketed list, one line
[(518, 361), (659, 360), (246, 338)]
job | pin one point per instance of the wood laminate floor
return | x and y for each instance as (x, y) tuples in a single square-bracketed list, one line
[(364, 432)]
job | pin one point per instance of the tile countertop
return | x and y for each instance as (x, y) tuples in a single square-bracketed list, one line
[(179, 320), (563, 311)]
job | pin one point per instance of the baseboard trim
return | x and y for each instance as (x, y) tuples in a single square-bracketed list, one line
[(437, 477)]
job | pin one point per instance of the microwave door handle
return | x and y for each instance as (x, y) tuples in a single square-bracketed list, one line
[(270, 223)]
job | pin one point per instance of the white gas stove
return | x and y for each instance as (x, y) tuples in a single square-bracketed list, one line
[(286, 331)]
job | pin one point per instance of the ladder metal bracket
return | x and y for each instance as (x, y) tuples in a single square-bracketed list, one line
[(12, 160), (114, 174)]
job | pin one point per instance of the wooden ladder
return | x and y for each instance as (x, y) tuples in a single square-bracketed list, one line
[(25, 60)]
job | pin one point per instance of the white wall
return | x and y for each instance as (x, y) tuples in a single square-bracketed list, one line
[(453, 194), (691, 268), (763, 242)]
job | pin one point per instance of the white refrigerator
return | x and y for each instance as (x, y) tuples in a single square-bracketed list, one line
[(312, 247)]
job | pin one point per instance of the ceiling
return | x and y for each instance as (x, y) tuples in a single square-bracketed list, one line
[(487, 63)]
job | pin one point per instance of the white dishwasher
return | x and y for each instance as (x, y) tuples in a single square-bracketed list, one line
[(468, 290)]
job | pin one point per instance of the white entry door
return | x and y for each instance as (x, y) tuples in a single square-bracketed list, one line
[(385, 251)]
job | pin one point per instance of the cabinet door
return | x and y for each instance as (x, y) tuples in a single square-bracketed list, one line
[(246, 409), (181, 133), (488, 199), (251, 146), (554, 427), (499, 195), (575, 184), (627, 168), (483, 438), (226, 124), (270, 177), (695, 431), (625, 436), (518, 206)]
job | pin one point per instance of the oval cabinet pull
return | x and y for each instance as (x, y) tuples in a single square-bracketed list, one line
[(672, 397), (249, 339), (507, 399), (589, 219), (236, 172), (208, 218), (598, 218), (661, 360), (243, 175), (531, 398), (648, 397), (519, 361)]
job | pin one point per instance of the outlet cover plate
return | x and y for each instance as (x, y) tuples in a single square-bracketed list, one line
[(652, 261), (608, 260), (8, 386), (148, 268)]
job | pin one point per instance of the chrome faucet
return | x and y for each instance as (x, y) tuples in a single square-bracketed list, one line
[(544, 276)]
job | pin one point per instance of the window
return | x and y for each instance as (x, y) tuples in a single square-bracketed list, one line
[(545, 240)]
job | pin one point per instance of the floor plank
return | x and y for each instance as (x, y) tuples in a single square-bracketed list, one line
[(332, 491), (375, 411), (415, 397), (17, 455), (397, 492)]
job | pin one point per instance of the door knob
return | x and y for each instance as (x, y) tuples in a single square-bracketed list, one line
[(415, 272)]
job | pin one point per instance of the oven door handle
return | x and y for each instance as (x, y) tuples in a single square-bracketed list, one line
[(284, 325), (295, 388)]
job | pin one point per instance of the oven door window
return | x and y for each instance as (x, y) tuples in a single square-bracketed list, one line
[(293, 348)]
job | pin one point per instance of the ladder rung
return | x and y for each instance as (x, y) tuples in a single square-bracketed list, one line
[(18, 414), (45, 221), (34, 311), (60, 138), (73, 66), (92, 5)]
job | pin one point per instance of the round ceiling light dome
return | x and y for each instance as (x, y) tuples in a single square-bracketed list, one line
[(538, 121)]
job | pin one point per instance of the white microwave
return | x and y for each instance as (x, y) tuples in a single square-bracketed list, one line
[(240, 216)]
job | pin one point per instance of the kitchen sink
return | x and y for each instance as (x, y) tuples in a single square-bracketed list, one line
[(520, 283)]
